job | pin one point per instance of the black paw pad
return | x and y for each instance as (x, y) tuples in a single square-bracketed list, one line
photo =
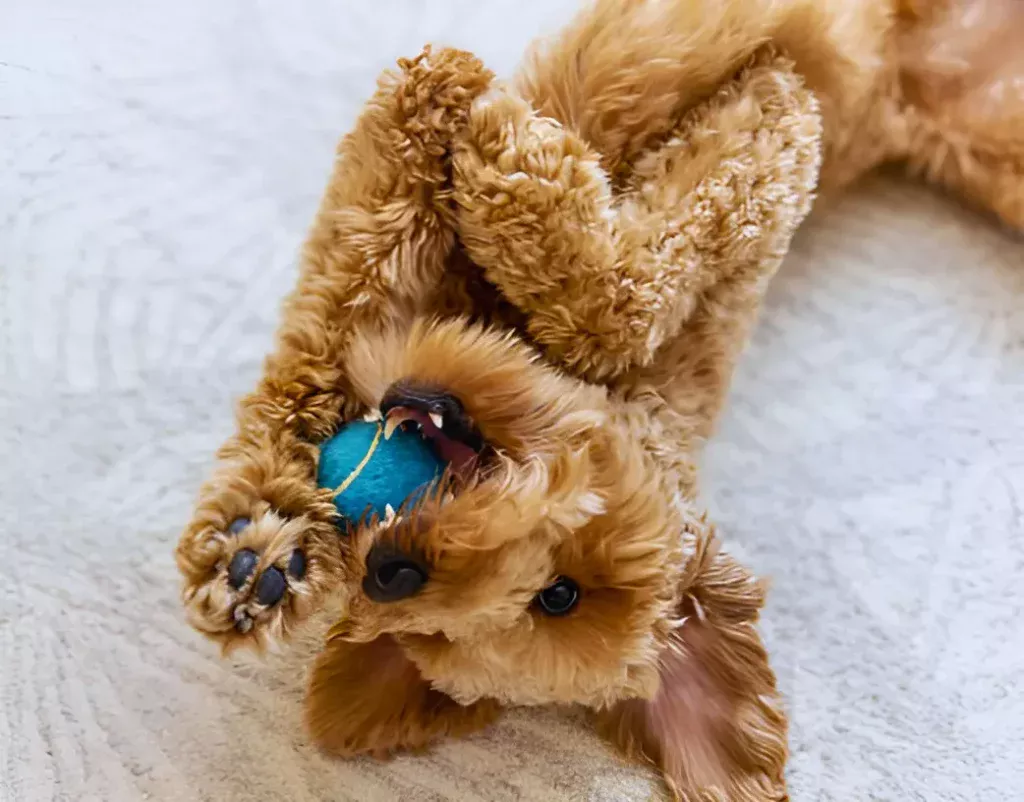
[(241, 567), (271, 586), (297, 564), (238, 525)]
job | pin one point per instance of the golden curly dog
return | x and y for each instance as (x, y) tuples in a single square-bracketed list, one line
[(566, 269)]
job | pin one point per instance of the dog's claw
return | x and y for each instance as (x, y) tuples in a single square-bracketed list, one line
[(243, 623)]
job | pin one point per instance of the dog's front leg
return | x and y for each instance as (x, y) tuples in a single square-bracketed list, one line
[(261, 550)]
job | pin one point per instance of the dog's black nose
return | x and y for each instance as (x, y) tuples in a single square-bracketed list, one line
[(391, 576)]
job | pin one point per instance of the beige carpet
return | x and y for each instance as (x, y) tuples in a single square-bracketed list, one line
[(160, 165)]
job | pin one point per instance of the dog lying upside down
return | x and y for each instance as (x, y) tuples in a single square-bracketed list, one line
[(568, 268)]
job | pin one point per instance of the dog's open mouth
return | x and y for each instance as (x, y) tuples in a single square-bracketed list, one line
[(439, 417)]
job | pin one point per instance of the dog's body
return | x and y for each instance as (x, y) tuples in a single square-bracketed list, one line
[(619, 212)]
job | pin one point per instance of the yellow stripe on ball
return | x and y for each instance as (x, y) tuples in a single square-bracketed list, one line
[(362, 463)]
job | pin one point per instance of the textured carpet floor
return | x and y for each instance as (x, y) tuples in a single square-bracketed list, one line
[(161, 163)]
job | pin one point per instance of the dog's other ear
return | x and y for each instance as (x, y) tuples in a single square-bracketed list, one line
[(715, 727), (369, 698)]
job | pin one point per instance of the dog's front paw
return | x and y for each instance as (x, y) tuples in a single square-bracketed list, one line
[(260, 553), (258, 582)]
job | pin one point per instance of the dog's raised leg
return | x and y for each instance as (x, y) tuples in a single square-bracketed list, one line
[(262, 548), (606, 276)]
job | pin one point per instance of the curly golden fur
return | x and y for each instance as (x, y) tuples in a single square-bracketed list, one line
[(578, 257)]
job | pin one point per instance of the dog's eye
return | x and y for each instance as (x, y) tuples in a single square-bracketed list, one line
[(559, 597)]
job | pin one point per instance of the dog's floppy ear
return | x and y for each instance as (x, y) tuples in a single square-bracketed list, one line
[(370, 698), (714, 727)]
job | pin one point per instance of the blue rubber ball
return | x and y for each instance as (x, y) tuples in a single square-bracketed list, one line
[(368, 472)]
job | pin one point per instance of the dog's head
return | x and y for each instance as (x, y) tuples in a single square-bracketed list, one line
[(559, 561), (551, 545)]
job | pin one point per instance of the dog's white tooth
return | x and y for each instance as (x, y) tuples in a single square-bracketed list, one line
[(392, 424), (373, 416), (389, 513), (437, 419)]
